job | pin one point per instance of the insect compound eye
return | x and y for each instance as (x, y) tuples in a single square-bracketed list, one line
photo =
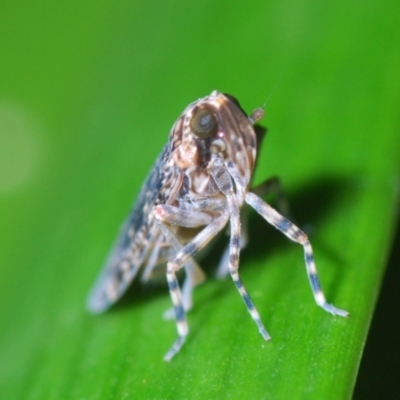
[(204, 124)]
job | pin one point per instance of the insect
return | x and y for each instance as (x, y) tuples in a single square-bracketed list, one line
[(197, 186)]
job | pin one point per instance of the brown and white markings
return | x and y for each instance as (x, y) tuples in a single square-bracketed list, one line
[(198, 184)]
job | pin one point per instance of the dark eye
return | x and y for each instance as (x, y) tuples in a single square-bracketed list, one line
[(204, 124)]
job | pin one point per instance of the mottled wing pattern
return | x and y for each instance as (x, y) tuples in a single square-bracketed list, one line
[(133, 245)]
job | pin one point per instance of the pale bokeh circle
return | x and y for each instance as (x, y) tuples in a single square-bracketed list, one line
[(21, 145)]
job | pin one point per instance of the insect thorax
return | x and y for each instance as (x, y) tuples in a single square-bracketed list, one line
[(192, 153)]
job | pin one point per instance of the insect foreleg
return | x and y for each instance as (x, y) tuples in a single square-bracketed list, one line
[(295, 234), (223, 266), (189, 219), (223, 180), (234, 251), (270, 186), (183, 255)]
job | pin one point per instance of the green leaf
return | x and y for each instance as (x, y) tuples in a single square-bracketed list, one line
[(88, 93)]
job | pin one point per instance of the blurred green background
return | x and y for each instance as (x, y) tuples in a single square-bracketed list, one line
[(88, 93)]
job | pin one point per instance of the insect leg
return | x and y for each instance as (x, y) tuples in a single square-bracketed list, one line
[(223, 266), (183, 255), (224, 182), (295, 234), (189, 219), (234, 252), (270, 186)]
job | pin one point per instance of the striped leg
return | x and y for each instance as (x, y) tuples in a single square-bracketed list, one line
[(224, 182), (183, 255), (270, 186), (295, 234), (194, 275), (234, 252), (223, 266), (189, 219)]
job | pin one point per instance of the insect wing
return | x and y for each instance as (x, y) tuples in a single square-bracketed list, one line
[(133, 245)]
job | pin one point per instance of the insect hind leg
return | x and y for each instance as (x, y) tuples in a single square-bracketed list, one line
[(296, 235)]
